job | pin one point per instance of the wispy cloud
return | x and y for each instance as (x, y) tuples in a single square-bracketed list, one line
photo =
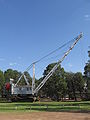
[(70, 65), (87, 17), (12, 64)]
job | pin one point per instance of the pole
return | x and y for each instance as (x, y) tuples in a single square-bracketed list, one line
[(33, 79)]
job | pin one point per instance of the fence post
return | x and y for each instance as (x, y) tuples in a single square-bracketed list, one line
[(46, 107), (30, 107)]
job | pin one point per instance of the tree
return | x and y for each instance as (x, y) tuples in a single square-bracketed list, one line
[(87, 78), (87, 69), (14, 74), (71, 90), (55, 87), (2, 82), (75, 84), (79, 83), (9, 74), (28, 77)]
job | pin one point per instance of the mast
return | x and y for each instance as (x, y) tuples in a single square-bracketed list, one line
[(33, 79)]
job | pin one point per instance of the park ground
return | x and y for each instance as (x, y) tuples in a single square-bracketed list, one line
[(45, 116), (45, 111)]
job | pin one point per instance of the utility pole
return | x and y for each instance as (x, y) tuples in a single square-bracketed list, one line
[(33, 79)]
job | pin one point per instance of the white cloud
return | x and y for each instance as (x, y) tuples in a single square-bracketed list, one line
[(12, 64), (70, 65), (87, 17)]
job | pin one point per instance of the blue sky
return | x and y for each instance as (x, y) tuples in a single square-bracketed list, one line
[(29, 29)]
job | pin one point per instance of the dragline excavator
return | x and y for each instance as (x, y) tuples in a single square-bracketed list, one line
[(28, 91)]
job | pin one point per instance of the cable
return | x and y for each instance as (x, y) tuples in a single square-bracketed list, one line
[(54, 50), (29, 67), (50, 53)]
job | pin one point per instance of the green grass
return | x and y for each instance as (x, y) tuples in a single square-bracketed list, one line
[(45, 106)]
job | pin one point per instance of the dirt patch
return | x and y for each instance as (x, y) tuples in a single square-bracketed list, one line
[(45, 116)]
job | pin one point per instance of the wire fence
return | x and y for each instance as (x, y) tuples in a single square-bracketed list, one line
[(14, 107)]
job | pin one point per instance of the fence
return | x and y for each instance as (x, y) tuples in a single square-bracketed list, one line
[(38, 107)]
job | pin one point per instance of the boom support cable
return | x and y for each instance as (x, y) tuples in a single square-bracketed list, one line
[(55, 50), (50, 53)]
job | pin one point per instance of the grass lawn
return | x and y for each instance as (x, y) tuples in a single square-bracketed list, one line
[(83, 106)]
